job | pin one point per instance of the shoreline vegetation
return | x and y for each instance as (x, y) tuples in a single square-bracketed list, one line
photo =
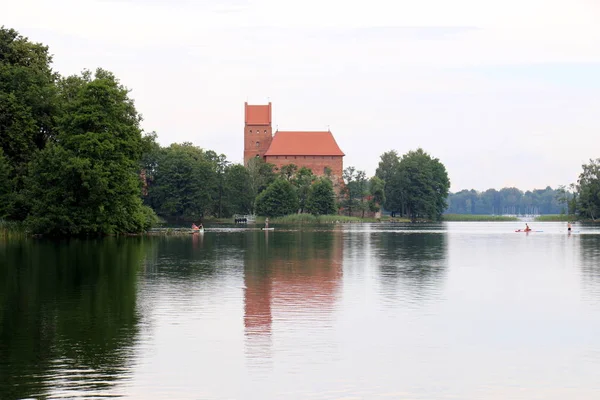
[(16, 229), (477, 218)]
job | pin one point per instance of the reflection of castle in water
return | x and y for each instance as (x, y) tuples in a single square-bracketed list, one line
[(288, 276)]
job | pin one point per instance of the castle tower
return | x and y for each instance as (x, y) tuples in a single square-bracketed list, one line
[(258, 133)]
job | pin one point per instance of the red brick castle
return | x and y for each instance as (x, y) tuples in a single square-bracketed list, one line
[(316, 150)]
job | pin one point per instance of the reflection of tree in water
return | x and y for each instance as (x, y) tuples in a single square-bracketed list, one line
[(68, 317), (188, 259), (590, 264), (416, 261)]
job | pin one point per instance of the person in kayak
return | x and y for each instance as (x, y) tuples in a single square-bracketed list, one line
[(569, 227), (527, 228)]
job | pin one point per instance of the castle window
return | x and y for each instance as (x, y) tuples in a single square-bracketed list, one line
[(250, 130), (257, 144), (265, 131)]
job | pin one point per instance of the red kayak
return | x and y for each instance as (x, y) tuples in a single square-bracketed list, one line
[(523, 230)]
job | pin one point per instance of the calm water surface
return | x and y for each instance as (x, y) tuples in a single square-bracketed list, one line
[(370, 311)]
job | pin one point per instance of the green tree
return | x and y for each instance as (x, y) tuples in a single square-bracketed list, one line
[(419, 186), (321, 197), (355, 190), (88, 182), (302, 181), (278, 199), (5, 185), (261, 175), (377, 192), (220, 165), (183, 182), (288, 171), (588, 190), (27, 98), (239, 198), (387, 171)]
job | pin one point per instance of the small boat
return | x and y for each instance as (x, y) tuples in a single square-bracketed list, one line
[(523, 230), (268, 229)]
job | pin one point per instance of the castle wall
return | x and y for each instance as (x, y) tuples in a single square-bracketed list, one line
[(316, 164)]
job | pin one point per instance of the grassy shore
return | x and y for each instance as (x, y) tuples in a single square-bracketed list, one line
[(321, 219), (556, 218), (11, 229), (482, 218)]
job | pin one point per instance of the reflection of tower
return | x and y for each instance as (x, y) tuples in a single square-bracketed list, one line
[(299, 275)]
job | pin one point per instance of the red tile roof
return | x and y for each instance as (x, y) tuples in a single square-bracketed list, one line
[(258, 115), (304, 144)]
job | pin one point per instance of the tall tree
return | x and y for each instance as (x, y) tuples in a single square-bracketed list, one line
[(5, 184), (278, 199), (321, 197), (424, 185), (239, 198), (377, 192), (302, 181), (27, 98), (261, 175), (387, 171), (88, 182), (588, 190), (27, 106), (183, 183)]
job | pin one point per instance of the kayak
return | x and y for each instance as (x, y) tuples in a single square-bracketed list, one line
[(268, 229), (523, 230)]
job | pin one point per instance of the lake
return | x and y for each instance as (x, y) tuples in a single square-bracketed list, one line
[(358, 311)]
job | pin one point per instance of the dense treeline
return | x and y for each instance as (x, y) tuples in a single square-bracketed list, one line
[(581, 199), (183, 181), (71, 146), (508, 201)]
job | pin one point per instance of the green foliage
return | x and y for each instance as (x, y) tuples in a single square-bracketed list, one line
[(555, 218), (301, 179), (509, 201), (238, 189), (386, 171), (309, 219), (588, 190), (27, 99), (262, 175), (182, 182), (5, 185), (355, 190), (321, 198), (87, 183), (417, 184), (482, 218), (278, 199)]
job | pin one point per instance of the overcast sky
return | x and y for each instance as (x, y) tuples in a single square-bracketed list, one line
[(504, 93)]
